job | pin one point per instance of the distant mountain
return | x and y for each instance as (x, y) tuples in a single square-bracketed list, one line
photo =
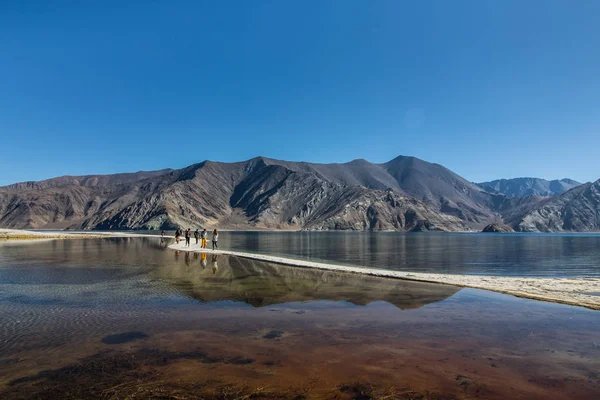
[(577, 210), (521, 187), (85, 180)]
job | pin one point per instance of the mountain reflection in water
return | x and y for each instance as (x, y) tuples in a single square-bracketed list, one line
[(262, 284)]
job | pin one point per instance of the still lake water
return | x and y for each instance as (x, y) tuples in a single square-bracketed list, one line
[(567, 255), (129, 318)]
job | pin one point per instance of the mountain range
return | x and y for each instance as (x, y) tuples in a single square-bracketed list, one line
[(521, 187), (404, 194)]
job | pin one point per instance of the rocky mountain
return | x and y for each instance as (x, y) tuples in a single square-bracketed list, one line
[(445, 190), (404, 194), (577, 210), (521, 187), (259, 193), (429, 183)]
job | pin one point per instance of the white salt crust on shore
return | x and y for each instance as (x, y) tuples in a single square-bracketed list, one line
[(583, 292)]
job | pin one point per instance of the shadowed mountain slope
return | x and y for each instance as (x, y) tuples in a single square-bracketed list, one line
[(436, 185)]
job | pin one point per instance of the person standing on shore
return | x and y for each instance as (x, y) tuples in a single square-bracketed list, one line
[(215, 239), (162, 234), (187, 237), (196, 235), (177, 235), (203, 235)]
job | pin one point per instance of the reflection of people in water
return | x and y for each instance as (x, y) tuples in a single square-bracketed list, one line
[(176, 255), (215, 266), (187, 258), (203, 260)]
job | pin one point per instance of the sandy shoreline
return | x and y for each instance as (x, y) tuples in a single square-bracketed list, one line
[(583, 292), (19, 234)]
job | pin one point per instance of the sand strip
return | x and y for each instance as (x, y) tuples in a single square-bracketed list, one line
[(573, 291), (18, 234)]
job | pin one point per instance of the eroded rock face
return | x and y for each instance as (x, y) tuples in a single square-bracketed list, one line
[(577, 210)]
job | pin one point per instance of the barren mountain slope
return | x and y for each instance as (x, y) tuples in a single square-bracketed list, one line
[(442, 188), (576, 210), (259, 193)]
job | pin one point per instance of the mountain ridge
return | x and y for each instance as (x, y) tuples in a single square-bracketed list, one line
[(527, 186), (403, 194)]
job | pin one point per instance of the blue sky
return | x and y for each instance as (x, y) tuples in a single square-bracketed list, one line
[(489, 89)]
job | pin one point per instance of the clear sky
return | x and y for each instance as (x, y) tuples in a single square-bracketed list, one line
[(489, 89)]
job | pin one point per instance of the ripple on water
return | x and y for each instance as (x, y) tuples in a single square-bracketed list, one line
[(60, 313)]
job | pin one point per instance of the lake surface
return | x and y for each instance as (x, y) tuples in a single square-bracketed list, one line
[(118, 318), (569, 255)]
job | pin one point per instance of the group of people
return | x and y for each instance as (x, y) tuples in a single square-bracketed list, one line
[(187, 234)]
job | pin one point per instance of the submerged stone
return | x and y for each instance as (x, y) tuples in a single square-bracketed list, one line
[(123, 337)]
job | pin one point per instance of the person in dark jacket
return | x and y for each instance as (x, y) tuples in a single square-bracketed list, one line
[(197, 235), (187, 237)]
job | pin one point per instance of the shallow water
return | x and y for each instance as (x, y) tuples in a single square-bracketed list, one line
[(126, 317)]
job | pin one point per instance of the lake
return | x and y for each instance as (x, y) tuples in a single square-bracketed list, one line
[(566, 255), (127, 317)]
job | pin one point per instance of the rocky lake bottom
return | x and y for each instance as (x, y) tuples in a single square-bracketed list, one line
[(129, 318)]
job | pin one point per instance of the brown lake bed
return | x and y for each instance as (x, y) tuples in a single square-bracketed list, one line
[(128, 318)]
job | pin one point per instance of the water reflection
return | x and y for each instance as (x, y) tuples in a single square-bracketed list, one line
[(260, 284), (214, 265)]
